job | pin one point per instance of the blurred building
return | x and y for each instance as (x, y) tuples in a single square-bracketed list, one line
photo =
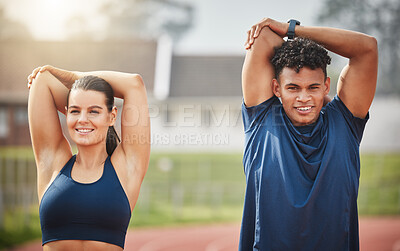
[(202, 110), (194, 100), (18, 59)]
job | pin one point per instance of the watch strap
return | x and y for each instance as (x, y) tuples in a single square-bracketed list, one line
[(292, 25)]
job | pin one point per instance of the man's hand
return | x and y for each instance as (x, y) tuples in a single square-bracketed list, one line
[(278, 27)]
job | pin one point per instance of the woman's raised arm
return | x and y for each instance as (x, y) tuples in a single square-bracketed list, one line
[(50, 147), (135, 123)]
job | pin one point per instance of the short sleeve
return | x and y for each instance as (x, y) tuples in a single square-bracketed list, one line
[(357, 125), (254, 115)]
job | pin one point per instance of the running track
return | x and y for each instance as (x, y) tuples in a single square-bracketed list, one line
[(376, 234)]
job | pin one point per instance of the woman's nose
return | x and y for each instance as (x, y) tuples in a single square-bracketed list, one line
[(83, 117)]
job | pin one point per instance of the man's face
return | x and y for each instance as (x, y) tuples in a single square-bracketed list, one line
[(302, 94)]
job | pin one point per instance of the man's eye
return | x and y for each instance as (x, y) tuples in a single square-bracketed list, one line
[(95, 112), (314, 87), (292, 88), (74, 111)]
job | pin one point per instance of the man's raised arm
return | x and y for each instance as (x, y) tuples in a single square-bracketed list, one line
[(258, 72)]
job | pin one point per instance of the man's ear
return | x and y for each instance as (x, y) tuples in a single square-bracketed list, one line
[(276, 88), (327, 85), (114, 113)]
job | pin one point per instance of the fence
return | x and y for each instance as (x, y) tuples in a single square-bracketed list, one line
[(18, 190), (184, 188), (181, 188)]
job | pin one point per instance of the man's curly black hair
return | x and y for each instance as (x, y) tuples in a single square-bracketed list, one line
[(298, 53)]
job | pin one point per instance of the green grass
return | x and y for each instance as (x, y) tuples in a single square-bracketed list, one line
[(191, 188), (201, 188), (19, 227), (16, 152), (379, 191)]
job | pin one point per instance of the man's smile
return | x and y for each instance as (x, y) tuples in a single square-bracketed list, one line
[(304, 109)]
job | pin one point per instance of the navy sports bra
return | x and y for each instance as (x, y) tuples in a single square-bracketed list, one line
[(98, 211)]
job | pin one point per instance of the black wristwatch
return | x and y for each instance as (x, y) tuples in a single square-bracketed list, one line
[(292, 24)]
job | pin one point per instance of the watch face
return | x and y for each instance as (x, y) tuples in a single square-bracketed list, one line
[(294, 20)]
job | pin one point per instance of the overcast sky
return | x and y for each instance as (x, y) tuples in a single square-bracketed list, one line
[(219, 27)]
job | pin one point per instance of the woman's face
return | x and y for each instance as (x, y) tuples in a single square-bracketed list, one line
[(88, 118)]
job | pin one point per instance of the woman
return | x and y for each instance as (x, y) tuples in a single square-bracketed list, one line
[(86, 199)]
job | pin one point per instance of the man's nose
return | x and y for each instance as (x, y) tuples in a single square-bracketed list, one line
[(303, 96)]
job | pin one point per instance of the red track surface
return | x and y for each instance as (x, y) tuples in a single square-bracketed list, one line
[(376, 234)]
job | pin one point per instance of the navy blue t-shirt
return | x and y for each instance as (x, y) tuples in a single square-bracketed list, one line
[(302, 182)]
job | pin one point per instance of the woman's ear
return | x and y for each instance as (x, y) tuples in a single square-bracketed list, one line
[(276, 88), (114, 113)]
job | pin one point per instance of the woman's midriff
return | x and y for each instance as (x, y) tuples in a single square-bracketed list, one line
[(81, 245)]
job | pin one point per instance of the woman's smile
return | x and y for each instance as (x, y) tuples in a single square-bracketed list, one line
[(84, 131)]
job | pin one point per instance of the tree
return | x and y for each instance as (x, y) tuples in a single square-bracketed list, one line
[(380, 18), (147, 18)]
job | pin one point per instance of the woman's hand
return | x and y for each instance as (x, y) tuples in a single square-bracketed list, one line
[(278, 27), (32, 76), (64, 76)]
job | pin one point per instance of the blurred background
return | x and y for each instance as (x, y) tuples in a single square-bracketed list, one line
[(190, 55)]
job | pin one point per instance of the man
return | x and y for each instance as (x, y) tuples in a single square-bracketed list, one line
[(301, 158)]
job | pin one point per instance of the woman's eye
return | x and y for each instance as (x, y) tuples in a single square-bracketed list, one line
[(95, 112), (74, 111)]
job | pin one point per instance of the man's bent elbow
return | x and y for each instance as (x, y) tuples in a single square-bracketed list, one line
[(371, 45)]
